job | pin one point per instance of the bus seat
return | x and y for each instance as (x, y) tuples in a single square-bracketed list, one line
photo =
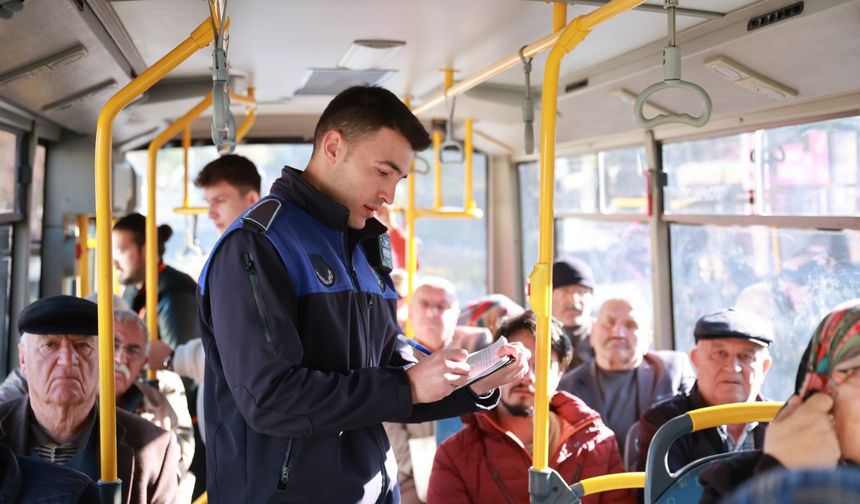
[(631, 447), (665, 486)]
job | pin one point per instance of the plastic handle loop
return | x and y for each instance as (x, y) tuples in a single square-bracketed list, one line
[(223, 123), (661, 119), (451, 152)]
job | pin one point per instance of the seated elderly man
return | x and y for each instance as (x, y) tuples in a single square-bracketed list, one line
[(57, 420), (731, 359), (625, 379)]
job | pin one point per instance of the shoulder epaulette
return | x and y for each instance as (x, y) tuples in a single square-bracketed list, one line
[(263, 214)]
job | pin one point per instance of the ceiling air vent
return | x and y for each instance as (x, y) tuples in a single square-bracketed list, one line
[(331, 81), (573, 86), (776, 16)]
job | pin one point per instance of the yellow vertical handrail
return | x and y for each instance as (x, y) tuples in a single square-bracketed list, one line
[(540, 279), (437, 169), (83, 256), (179, 125), (186, 146), (199, 38), (468, 151)]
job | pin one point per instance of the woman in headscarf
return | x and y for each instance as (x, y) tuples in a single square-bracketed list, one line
[(819, 427)]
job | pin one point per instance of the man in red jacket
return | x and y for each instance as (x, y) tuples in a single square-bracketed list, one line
[(488, 461)]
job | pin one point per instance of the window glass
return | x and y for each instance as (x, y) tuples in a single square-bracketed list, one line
[(789, 276), (712, 176), (5, 274), (624, 186), (529, 175), (807, 169), (811, 169), (455, 249), (575, 183), (181, 250), (8, 162), (37, 210), (619, 253)]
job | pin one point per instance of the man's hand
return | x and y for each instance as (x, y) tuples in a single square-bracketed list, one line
[(803, 435), (158, 351), (437, 375), (510, 373)]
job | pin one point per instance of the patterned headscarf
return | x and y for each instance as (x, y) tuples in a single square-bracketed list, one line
[(488, 311), (836, 340)]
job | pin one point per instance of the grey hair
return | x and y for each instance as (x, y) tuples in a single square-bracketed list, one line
[(129, 317), (444, 284)]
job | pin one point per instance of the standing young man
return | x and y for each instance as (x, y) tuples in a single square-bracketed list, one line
[(230, 185), (300, 328)]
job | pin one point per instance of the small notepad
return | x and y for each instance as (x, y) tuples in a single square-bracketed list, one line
[(485, 362)]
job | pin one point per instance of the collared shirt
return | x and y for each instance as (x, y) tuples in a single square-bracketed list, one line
[(744, 443), (43, 445)]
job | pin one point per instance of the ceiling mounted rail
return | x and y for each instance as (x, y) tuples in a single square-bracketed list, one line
[(699, 13)]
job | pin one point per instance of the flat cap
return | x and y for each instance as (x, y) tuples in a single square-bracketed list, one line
[(60, 315), (734, 323), (571, 271)]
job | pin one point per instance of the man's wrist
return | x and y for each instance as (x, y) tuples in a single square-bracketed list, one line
[(168, 361)]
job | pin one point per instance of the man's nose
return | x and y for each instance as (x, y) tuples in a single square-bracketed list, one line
[(66, 355)]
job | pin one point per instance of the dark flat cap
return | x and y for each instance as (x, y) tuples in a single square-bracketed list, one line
[(60, 315), (734, 323), (571, 271)]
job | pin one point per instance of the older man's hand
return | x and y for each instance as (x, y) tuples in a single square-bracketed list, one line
[(510, 373), (803, 435), (156, 354)]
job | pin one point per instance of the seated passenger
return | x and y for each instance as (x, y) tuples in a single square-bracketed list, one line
[(29, 479), (625, 379), (818, 427), (57, 420), (731, 359), (433, 314), (488, 460), (572, 304)]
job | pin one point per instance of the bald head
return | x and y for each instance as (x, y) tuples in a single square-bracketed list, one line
[(622, 334)]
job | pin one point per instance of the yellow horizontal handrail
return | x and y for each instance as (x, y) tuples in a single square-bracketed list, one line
[(488, 73), (726, 414), (191, 210), (609, 482), (452, 213)]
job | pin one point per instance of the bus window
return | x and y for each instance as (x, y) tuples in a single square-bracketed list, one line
[(5, 275), (466, 263), (8, 161), (792, 277), (269, 159)]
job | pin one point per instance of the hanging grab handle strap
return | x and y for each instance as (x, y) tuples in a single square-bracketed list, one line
[(672, 79)]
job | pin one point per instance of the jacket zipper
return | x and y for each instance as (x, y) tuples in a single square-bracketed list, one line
[(285, 468), (258, 296)]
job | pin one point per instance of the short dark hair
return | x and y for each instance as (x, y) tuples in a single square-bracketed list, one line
[(236, 170), (363, 110), (135, 224), (527, 321)]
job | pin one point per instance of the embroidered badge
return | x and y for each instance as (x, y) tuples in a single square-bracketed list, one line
[(322, 270)]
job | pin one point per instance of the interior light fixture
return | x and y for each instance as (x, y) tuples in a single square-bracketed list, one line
[(629, 98), (744, 77), (26, 72), (366, 54), (79, 97)]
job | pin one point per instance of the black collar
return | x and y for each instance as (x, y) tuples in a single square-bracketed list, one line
[(293, 187)]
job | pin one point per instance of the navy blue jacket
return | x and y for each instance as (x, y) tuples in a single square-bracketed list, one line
[(302, 360)]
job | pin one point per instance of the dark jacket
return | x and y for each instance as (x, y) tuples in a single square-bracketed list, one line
[(482, 463), (147, 456), (32, 480), (303, 363), (722, 477), (661, 375), (177, 305), (697, 445)]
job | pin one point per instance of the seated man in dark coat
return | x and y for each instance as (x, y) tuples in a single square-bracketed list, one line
[(29, 479), (58, 419), (624, 379), (731, 359)]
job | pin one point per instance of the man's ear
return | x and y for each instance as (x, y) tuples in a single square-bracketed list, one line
[(768, 362), (333, 146), (252, 197), (22, 350), (694, 358)]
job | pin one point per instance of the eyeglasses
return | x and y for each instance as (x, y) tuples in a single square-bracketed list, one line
[(133, 352)]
